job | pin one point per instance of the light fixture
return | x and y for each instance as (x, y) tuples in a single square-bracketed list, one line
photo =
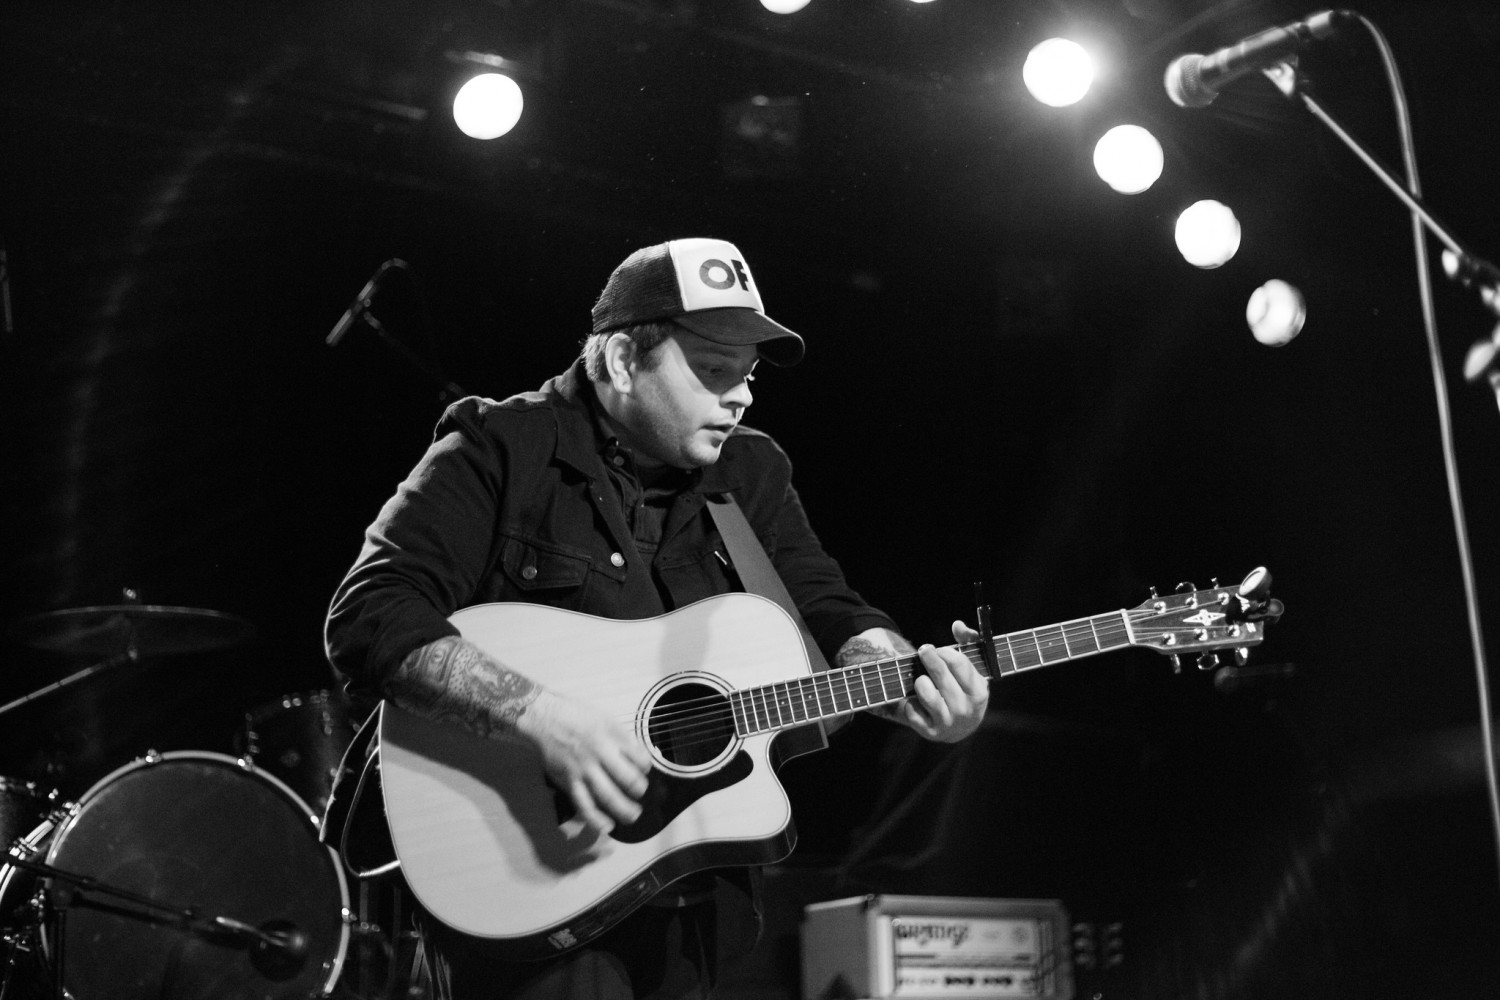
[(1128, 158), (1208, 234), (1058, 72), (1275, 312), (488, 106)]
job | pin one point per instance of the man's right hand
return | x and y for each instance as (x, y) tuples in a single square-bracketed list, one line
[(590, 756)]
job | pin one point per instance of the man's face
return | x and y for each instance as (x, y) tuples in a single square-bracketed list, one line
[(682, 409)]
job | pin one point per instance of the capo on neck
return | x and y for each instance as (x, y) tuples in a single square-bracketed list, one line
[(985, 630)]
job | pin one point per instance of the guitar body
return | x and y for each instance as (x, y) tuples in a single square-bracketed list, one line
[(491, 849)]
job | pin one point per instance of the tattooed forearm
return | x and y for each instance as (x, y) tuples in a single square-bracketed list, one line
[(862, 650), (451, 680)]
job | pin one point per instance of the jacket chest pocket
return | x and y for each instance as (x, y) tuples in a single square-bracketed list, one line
[(537, 568)]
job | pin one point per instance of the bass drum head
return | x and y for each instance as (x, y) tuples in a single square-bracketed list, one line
[(204, 832)]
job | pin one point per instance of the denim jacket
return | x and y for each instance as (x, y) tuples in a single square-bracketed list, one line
[(512, 502)]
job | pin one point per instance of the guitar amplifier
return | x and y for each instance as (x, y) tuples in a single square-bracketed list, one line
[(934, 948)]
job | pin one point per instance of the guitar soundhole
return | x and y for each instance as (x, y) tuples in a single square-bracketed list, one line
[(691, 724)]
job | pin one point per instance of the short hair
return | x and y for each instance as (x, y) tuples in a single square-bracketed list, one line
[(647, 337)]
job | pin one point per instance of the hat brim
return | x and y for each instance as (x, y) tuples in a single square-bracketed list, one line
[(738, 327)]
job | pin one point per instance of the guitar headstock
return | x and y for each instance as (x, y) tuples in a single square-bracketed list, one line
[(1206, 621)]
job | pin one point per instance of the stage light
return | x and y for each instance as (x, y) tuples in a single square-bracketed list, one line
[(488, 106), (784, 6), (1275, 312), (1128, 158), (1058, 72), (1208, 234)]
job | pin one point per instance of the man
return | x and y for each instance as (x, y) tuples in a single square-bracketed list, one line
[(591, 495)]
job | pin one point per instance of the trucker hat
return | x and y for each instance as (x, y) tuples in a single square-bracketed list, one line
[(701, 284)]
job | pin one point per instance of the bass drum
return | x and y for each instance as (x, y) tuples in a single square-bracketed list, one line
[(205, 832)]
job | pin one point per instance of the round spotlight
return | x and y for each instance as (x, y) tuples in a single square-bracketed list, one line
[(1128, 158), (784, 6), (1275, 312), (488, 106), (1208, 234), (1058, 72)]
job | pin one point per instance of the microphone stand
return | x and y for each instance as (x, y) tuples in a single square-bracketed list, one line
[(1466, 268), (447, 389), (277, 949), (363, 310), (1472, 272)]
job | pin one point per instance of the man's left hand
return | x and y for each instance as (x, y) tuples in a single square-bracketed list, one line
[(949, 700)]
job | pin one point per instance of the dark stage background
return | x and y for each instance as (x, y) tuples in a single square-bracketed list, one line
[(1011, 376)]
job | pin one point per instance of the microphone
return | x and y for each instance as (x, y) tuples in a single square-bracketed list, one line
[(1193, 80), (361, 303)]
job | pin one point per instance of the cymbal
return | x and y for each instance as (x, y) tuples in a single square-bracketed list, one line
[(149, 629)]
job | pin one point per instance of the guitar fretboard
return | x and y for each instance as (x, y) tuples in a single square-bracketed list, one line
[(772, 707)]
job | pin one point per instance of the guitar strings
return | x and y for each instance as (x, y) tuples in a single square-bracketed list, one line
[(824, 684), (824, 691), (781, 710), (715, 713)]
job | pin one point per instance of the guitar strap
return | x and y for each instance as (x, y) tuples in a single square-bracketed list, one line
[(758, 576), (756, 573)]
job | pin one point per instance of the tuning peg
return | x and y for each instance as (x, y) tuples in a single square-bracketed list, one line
[(1241, 655), (1257, 585), (1208, 661), (1176, 663), (1152, 591), (1186, 588)]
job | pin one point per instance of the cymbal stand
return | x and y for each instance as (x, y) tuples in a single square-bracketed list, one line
[(130, 655)]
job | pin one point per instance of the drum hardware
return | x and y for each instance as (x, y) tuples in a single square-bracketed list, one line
[(122, 634), (23, 908), (300, 738), (147, 629), (23, 804), (118, 660)]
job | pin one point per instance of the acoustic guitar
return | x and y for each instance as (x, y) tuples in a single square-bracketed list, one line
[(491, 849)]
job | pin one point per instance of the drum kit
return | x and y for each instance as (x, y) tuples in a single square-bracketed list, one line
[(184, 874)]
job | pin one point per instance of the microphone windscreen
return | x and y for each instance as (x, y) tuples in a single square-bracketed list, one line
[(1184, 82)]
